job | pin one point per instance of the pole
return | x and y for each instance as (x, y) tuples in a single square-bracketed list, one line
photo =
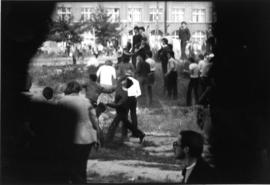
[(165, 17)]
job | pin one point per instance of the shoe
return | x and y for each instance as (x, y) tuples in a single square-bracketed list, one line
[(142, 138)]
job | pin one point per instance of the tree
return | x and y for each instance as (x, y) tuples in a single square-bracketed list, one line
[(104, 28)]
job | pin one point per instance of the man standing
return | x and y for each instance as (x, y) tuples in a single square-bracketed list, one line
[(136, 44), (184, 36), (188, 148)]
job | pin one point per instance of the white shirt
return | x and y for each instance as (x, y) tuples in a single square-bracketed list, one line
[(84, 131), (106, 74), (92, 62), (152, 64), (188, 172), (204, 67), (194, 70), (135, 89)]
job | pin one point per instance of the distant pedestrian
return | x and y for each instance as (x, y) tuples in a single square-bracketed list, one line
[(135, 44), (194, 82), (163, 57), (142, 72), (184, 36), (152, 63), (171, 76)]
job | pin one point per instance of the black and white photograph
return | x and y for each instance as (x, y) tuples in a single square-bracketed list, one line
[(135, 92)]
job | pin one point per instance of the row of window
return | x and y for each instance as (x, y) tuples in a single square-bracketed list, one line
[(135, 14)]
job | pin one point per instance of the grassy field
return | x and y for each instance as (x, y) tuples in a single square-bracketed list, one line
[(153, 161)]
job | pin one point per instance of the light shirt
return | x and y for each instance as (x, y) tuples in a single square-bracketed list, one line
[(204, 68), (188, 172), (106, 74), (92, 62), (135, 89), (84, 131), (152, 64), (171, 66), (194, 70)]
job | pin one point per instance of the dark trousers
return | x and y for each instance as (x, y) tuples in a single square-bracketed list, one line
[(132, 110), (146, 88), (172, 84), (78, 157), (205, 91), (164, 71), (183, 49), (122, 115), (133, 60), (193, 85)]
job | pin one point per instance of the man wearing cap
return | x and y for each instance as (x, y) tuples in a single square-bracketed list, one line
[(184, 36)]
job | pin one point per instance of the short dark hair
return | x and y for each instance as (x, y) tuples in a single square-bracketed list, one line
[(184, 22), (93, 77), (129, 83), (142, 28), (165, 40), (47, 93), (73, 87), (136, 28), (194, 141)]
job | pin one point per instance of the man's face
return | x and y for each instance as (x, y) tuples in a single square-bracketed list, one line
[(184, 26), (136, 31), (141, 31), (178, 150)]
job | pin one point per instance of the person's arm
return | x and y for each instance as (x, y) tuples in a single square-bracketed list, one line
[(93, 118), (119, 103), (188, 34)]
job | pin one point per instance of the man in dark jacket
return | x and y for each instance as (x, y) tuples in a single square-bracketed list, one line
[(122, 105), (188, 148), (184, 36), (136, 42)]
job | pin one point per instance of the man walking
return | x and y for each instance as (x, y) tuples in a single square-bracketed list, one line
[(184, 36)]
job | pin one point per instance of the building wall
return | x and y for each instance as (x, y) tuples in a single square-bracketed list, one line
[(145, 6)]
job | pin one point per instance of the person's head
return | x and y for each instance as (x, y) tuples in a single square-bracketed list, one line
[(47, 93), (126, 82), (136, 30), (73, 87), (93, 77), (183, 24), (201, 57), (164, 41), (188, 145), (108, 62), (141, 29)]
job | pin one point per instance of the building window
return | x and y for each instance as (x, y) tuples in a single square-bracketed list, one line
[(135, 14), (198, 15), (115, 14), (86, 13), (198, 36), (64, 13), (178, 14), (155, 14)]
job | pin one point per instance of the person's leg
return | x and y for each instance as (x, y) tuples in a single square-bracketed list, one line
[(113, 126), (169, 85), (149, 89), (133, 111), (196, 88), (175, 92), (79, 162), (189, 91), (183, 48), (136, 132), (100, 109)]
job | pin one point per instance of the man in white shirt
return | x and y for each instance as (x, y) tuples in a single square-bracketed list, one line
[(107, 74), (188, 148), (133, 93)]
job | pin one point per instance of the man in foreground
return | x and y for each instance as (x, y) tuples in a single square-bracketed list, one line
[(188, 148)]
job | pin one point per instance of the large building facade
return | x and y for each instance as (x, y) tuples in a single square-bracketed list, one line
[(152, 15)]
